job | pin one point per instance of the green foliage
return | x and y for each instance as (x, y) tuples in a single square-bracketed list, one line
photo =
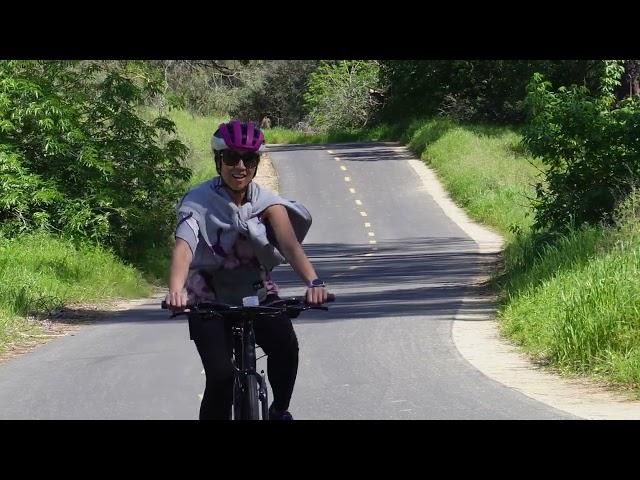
[(206, 87), (339, 95), (590, 146), (477, 90), (76, 159)]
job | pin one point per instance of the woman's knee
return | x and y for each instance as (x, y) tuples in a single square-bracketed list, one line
[(280, 339), (217, 373), (217, 365)]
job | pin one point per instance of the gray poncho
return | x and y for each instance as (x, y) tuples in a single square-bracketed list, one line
[(220, 220)]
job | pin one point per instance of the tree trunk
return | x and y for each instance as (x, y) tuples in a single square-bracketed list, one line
[(630, 79)]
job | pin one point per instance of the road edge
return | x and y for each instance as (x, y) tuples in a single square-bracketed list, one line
[(477, 336)]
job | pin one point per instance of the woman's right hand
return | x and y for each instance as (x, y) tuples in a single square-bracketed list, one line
[(177, 300)]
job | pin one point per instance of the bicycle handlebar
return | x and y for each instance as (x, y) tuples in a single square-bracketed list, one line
[(286, 304)]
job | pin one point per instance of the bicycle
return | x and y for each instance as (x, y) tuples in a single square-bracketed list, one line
[(249, 386)]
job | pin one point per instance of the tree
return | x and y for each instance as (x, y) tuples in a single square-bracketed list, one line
[(477, 90), (630, 81), (339, 94)]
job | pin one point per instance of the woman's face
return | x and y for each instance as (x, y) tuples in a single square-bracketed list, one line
[(239, 174)]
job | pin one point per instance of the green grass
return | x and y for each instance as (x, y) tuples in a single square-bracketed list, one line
[(39, 272), (284, 135), (195, 131), (573, 302), (483, 169)]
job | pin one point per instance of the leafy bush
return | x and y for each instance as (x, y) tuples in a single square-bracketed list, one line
[(590, 145), (477, 90), (76, 159)]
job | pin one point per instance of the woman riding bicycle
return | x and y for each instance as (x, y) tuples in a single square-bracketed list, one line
[(231, 233)]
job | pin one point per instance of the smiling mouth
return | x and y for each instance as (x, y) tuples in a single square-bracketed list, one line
[(239, 176)]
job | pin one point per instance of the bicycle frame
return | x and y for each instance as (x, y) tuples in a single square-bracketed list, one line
[(244, 362)]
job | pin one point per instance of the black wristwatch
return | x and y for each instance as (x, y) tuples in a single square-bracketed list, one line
[(316, 283)]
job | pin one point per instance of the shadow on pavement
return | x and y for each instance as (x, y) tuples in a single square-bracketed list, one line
[(399, 279)]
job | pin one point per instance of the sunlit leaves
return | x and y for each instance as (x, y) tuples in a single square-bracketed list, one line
[(590, 144), (75, 157)]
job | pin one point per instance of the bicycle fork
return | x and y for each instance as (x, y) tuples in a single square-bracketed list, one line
[(262, 394), (260, 377), (246, 339)]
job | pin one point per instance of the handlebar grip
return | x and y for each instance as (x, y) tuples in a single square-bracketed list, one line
[(164, 305)]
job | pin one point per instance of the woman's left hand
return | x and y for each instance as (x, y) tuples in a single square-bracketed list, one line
[(317, 295)]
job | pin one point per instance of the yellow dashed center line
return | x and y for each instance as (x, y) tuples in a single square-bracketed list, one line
[(358, 202), (337, 159), (330, 152)]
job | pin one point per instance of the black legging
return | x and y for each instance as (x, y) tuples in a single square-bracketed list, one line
[(214, 341)]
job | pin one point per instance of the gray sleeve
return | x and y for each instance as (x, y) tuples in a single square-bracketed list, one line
[(188, 231)]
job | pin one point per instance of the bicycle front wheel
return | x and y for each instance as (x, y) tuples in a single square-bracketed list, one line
[(245, 399), (250, 407)]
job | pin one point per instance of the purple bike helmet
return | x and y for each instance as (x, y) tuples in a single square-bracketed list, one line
[(236, 135)]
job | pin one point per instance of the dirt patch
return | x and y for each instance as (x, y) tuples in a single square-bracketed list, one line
[(267, 176)]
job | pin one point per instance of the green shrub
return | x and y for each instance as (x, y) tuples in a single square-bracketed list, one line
[(590, 146), (339, 94), (77, 160)]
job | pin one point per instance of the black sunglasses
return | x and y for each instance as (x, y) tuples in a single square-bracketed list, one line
[(232, 157)]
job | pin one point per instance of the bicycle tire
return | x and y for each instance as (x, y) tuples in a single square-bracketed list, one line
[(237, 399), (251, 407)]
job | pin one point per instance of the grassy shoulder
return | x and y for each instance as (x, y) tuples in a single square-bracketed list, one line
[(40, 273), (570, 301)]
